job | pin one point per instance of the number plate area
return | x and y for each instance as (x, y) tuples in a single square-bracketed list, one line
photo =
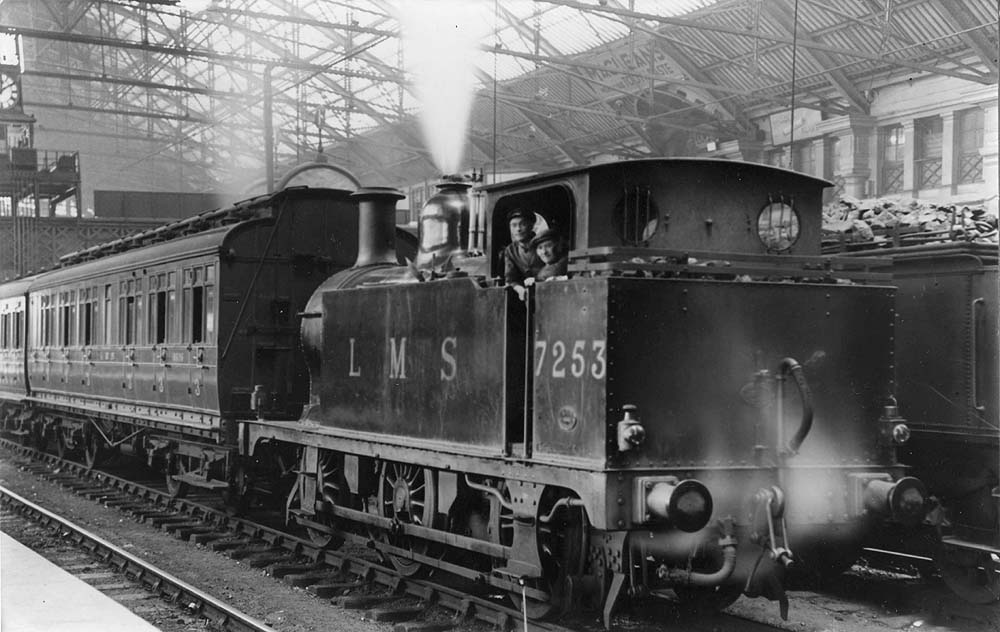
[(570, 370)]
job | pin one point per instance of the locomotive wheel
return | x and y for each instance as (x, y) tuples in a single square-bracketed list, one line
[(407, 494), (65, 444), (330, 486), (238, 496), (176, 465), (62, 449), (39, 440), (562, 549), (972, 575), (93, 450)]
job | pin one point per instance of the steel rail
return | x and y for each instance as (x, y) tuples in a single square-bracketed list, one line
[(465, 606), (153, 578)]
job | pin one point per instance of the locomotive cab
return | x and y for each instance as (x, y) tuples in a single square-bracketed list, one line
[(555, 206)]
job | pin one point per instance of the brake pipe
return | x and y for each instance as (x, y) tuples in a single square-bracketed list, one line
[(681, 577)]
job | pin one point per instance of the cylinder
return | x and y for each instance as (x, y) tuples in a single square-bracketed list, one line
[(376, 225)]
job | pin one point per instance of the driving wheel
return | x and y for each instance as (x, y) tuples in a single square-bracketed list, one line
[(330, 492), (407, 495), (973, 575), (561, 533)]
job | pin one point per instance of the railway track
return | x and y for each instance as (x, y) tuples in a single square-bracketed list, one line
[(353, 580), (349, 579), (26, 519)]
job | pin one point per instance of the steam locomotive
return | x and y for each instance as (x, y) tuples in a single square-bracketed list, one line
[(701, 402), (947, 362)]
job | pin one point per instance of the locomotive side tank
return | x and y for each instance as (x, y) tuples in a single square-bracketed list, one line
[(681, 413)]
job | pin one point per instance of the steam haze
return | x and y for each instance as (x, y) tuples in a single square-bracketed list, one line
[(441, 42)]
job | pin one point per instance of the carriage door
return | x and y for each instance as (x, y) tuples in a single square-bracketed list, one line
[(65, 331), (128, 327), (199, 327), (85, 335), (158, 305)]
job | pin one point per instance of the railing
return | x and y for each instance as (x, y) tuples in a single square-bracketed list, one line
[(21, 159), (31, 244), (892, 178), (928, 173)]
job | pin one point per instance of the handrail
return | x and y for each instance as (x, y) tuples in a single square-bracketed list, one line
[(976, 302)]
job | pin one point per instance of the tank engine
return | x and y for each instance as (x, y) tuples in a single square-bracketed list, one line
[(947, 367), (701, 402)]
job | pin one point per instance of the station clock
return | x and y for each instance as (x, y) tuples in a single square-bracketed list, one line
[(10, 91)]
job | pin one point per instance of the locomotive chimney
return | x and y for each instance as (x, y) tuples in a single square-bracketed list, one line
[(376, 225)]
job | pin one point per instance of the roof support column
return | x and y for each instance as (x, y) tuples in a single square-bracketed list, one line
[(854, 134), (990, 152), (948, 153), (909, 157)]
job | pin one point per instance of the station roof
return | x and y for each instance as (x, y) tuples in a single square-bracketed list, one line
[(557, 83)]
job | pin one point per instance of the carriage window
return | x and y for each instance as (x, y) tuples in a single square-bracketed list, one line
[(127, 304), (81, 333), (18, 320), (209, 313), (197, 311), (158, 314), (199, 304), (67, 318), (5, 331), (130, 312), (139, 314), (88, 317), (87, 323), (108, 333), (157, 324), (48, 307), (64, 320), (171, 307)]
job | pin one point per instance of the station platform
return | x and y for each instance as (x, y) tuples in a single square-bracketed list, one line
[(36, 595)]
